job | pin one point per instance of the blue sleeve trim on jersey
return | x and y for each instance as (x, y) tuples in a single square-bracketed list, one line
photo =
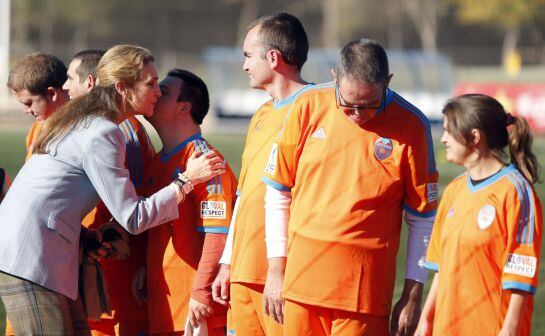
[(430, 153), (133, 156), (213, 229), (431, 266), (525, 231), (419, 214), (275, 184), (519, 286), (238, 193)]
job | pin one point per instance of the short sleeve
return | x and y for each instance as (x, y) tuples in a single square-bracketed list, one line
[(524, 227), (281, 166), (433, 255), (421, 176), (215, 199)]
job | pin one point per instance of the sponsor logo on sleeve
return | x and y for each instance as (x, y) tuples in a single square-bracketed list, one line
[(213, 210), (383, 148), (432, 191), (486, 216), (270, 168), (521, 265)]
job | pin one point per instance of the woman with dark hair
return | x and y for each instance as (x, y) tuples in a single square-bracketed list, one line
[(79, 158), (485, 244)]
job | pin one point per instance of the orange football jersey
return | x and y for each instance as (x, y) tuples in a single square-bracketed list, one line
[(349, 186), (249, 258), (486, 241), (31, 137), (174, 249)]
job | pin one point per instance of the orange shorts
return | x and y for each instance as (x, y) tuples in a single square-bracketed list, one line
[(303, 319), (115, 326), (246, 314), (9, 330), (212, 331)]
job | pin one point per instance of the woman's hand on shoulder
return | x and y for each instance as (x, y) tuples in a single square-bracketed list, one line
[(201, 167)]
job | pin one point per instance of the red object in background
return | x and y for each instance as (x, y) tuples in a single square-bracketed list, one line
[(526, 100)]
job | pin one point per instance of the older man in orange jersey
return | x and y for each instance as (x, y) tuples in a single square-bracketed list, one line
[(353, 155)]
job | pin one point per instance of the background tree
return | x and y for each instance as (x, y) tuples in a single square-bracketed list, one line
[(508, 15)]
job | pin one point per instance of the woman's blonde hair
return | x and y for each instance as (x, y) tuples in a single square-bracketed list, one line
[(121, 63)]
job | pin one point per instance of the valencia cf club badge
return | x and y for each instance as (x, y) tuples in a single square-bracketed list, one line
[(383, 148)]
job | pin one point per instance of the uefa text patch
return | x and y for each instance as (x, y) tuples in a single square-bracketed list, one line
[(213, 210), (521, 265), (270, 168), (432, 191)]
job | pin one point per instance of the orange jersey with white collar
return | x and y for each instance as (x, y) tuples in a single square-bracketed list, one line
[(485, 242), (175, 248), (249, 258), (349, 186)]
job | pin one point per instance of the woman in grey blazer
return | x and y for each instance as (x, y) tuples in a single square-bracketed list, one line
[(78, 159)]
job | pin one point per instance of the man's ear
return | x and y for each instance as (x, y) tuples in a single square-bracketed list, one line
[(273, 57), (389, 79), (334, 74), (184, 108), (51, 94), (91, 82)]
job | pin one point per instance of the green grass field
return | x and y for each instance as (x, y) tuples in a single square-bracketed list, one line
[(12, 156)]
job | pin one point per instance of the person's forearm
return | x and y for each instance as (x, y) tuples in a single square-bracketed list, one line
[(228, 250), (277, 214), (515, 311), (419, 235), (412, 290), (208, 267)]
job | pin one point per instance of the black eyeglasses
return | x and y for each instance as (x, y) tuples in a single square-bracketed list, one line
[(354, 107)]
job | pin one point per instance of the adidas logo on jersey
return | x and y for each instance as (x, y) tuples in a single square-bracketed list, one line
[(319, 134)]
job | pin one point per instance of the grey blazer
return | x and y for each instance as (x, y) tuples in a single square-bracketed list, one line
[(41, 215)]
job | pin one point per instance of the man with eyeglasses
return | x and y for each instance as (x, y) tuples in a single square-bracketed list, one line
[(353, 156)]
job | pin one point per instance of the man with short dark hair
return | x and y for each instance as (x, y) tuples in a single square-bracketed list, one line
[(36, 80), (81, 74), (275, 49), (352, 157), (183, 256)]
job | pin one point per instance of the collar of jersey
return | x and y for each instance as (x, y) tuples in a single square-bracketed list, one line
[(166, 156), (387, 100), (290, 99), (493, 179)]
